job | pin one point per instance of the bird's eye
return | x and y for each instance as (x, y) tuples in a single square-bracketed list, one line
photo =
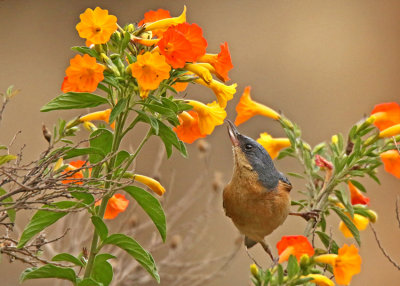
[(248, 147)]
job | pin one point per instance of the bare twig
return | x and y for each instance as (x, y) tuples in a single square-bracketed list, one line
[(383, 250)]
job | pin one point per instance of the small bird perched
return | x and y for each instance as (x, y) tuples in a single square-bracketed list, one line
[(257, 197)]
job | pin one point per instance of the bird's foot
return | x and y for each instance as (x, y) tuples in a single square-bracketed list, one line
[(313, 214), (252, 258), (267, 249)]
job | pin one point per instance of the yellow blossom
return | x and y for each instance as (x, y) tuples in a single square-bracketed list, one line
[(210, 115), (390, 131), (154, 185), (359, 221), (103, 115), (167, 22), (345, 264), (320, 280), (273, 145), (199, 70), (223, 92)]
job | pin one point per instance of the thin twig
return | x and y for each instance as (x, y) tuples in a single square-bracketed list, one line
[(383, 250)]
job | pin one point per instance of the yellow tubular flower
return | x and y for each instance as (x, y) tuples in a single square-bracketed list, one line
[(345, 264), (167, 22), (58, 164), (320, 279), (89, 126), (273, 145), (103, 115), (359, 221), (248, 108), (154, 185), (210, 115), (223, 92), (199, 70), (391, 131)]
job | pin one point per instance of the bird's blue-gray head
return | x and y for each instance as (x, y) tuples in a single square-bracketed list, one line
[(257, 157)]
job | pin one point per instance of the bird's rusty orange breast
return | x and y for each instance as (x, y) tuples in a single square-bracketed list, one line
[(255, 211)]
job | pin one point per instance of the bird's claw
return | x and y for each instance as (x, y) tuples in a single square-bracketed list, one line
[(313, 214)]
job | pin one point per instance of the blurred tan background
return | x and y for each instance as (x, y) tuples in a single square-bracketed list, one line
[(325, 64)]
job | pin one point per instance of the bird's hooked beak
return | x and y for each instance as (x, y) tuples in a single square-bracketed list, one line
[(233, 133)]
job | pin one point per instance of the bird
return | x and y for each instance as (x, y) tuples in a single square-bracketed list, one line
[(257, 197)]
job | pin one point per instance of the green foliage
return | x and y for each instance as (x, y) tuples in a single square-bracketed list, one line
[(135, 250), (49, 271), (10, 212), (42, 219), (74, 100), (151, 206), (69, 258)]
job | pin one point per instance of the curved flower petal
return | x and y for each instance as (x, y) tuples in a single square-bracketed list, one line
[(84, 73), (359, 221), (248, 108), (150, 70), (296, 245), (346, 263), (96, 26), (390, 131), (221, 62), (320, 279), (188, 131), (154, 185), (356, 196), (153, 16), (167, 22), (210, 115), (391, 161), (273, 145), (103, 115), (386, 115), (223, 92), (115, 205)]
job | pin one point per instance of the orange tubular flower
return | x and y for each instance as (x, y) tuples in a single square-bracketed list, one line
[(391, 161), (356, 196), (83, 74), (182, 43), (320, 279), (115, 205), (166, 22), (150, 70), (210, 115), (221, 62), (154, 185), (96, 26), (188, 131), (273, 145), (386, 115), (223, 92), (153, 16), (296, 245), (248, 108), (359, 221), (180, 86), (75, 177), (68, 86), (103, 115), (345, 264)]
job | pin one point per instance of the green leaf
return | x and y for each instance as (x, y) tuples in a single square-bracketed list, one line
[(82, 196), (303, 281), (102, 269), (6, 158), (350, 225), (151, 206), (100, 139), (161, 110), (125, 41), (170, 139), (118, 108), (121, 157), (100, 226), (68, 257), (42, 219), (10, 212), (86, 50), (280, 274), (74, 100), (88, 282), (296, 175), (136, 251), (292, 268), (328, 242), (359, 186), (48, 271), (75, 152), (144, 117)]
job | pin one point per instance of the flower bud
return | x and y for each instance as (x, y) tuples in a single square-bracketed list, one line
[(58, 164), (304, 260), (254, 270), (335, 139), (130, 28), (373, 216)]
